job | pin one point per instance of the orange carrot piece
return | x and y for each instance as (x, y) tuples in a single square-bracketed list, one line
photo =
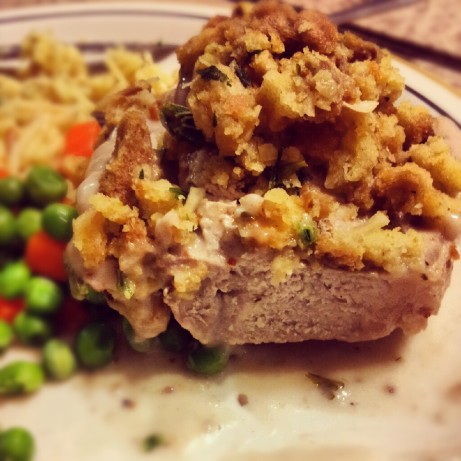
[(45, 256), (10, 308), (81, 138)]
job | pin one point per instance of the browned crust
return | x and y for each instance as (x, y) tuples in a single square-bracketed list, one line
[(297, 30), (114, 107), (133, 149), (319, 300)]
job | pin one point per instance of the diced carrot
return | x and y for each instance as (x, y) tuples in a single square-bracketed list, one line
[(10, 308), (81, 138), (71, 317), (3, 172), (45, 256)]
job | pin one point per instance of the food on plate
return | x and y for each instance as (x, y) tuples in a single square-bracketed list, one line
[(16, 444), (59, 359), (47, 133), (94, 345), (54, 90), (6, 335), (21, 377), (282, 192)]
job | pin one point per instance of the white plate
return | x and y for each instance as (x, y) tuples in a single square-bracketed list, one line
[(402, 396)]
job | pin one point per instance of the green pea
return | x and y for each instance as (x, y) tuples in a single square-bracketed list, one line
[(21, 377), (95, 344), (207, 360), (29, 222), (137, 344), (8, 226), (43, 296), (59, 360), (175, 338), (13, 279), (6, 335), (11, 190), (45, 185), (16, 444), (57, 220), (31, 329)]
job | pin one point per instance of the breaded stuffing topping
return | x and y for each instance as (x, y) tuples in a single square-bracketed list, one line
[(297, 128)]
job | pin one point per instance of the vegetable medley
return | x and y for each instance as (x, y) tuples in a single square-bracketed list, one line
[(37, 308), (69, 326)]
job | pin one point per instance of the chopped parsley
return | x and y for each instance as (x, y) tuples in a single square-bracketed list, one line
[(179, 122), (307, 235), (242, 75), (178, 193), (213, 73), (126, 286)]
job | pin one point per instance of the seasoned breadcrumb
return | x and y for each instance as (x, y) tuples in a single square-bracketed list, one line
[(90, 238), (299, 129)]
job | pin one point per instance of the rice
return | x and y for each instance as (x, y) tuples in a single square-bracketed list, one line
[(54, 89)]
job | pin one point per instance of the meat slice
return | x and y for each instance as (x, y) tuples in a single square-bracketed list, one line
[(239, 304), (308, 204)]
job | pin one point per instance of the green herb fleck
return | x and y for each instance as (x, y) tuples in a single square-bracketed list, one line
[(78, 288), (151, 442), (126, 286), (141, 174), (307, 235), (178, 193), (242, 75), (179, 122), (329, 387), (213, 73)]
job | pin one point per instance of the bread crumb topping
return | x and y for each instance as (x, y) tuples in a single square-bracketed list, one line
[(299, 130)]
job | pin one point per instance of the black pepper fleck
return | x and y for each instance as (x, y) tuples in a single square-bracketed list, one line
[(128, 403)]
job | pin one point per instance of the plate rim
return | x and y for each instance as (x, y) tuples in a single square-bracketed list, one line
[(417, 82), (422, 82), (100, 7)]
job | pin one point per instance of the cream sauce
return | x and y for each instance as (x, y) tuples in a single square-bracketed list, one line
[(98, 163), (401, 401), (450, 226), (90, 185), (215, 220), (446, 128)]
